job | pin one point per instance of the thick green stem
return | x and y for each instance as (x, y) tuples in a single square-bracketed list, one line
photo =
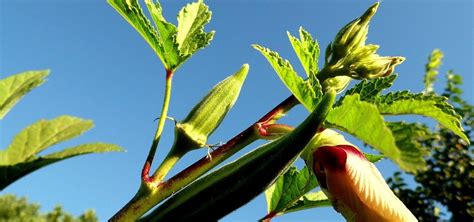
[(161, 123)]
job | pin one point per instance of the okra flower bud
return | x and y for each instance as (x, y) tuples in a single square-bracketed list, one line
[(348, 55), (366, 64), (353, 35), (205, 117)]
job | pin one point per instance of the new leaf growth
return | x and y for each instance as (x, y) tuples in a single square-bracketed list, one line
[(173, 45)]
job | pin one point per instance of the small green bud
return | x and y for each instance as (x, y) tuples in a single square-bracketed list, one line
[(352, 36), (205, 117), (375, 66), (364, 63), (348, 55)]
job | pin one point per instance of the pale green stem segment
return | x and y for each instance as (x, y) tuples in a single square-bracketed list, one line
[(161, 123), (170, 160)]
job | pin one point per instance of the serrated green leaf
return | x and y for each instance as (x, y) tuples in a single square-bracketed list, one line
[(369, 89), (133, 14), (14, 87), (42, 135), (306, 93), (167, 35), (289, 188), (191, 21), (363, 120), (172, 44), (407, 136), (431, 69), (11, 173), (309, 201), (307, 51), (436, 107)]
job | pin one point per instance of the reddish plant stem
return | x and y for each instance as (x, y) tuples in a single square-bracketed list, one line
[(269, 216), (149, 194), (235, 144)]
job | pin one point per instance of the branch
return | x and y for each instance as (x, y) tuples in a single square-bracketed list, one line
[(144, 201)]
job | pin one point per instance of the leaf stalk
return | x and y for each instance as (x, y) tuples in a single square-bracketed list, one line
[(159, 130)]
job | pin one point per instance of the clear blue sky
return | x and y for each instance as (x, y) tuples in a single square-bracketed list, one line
[(101, 69)]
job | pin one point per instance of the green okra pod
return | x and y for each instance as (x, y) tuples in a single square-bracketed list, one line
[(226, 189), (192, 132)]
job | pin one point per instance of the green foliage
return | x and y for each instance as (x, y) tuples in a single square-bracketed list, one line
[(21, 156), (13, 88), (407, 139), (191, 21), (454, 93), (359, 112), (393, 103), (449, 177), (307, 51), (166, 34), (370, 89), (173, 45), (431, 69), (308, 201), (436, 107), (307, 92), (14, 209), (41, 135), (12, 172), (363, 120), (289, 192), (374, 158)]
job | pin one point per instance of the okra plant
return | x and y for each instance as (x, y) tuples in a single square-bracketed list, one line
[(347, 177)]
